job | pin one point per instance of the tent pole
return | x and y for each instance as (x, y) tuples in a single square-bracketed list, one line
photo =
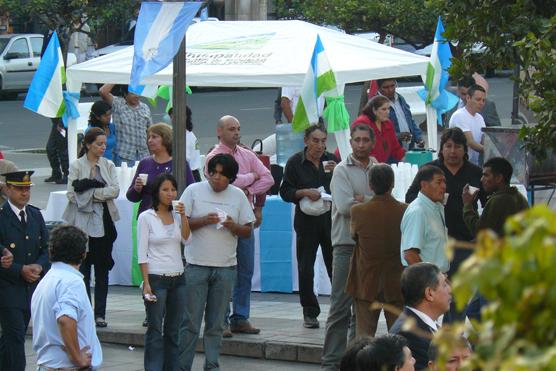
[(179, 118)]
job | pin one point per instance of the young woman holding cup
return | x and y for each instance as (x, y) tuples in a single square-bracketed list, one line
[(159, 141), (160, 230)]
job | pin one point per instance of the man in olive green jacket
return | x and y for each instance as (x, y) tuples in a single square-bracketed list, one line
[(503, 202)]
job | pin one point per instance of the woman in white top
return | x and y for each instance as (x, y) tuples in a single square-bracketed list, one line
[(160, 232)]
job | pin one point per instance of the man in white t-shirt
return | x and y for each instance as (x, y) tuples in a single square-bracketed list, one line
[(218, 214), (470, 121), (290, 96)]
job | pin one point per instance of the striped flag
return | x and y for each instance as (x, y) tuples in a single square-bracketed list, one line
[(434, 93), (45, 92), (319, 80), (160, 29)]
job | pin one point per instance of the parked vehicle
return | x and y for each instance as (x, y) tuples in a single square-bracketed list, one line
[(20, 55)]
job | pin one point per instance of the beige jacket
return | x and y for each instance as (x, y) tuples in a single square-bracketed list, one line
[(81, 169)]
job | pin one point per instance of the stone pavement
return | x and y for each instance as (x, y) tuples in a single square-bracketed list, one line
[(279, 316)]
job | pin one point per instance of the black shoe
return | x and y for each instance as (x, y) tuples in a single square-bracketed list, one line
[(63, 180), (310, 322), (52, 179)]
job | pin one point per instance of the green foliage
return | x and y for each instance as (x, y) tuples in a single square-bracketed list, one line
[(512, 31), (516, 274), (540, 86), (65, 16), (412, 20)]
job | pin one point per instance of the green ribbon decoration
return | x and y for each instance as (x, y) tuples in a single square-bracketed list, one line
[(164, 92), (136, 276), (336, 114)]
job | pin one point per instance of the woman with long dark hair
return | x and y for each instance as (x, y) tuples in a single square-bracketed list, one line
[(101, 117), (160, 231), (92, 188), (376, 114)]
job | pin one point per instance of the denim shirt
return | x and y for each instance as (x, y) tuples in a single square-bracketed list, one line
[(413, 128)]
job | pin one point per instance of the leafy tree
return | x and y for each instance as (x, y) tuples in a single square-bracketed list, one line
[(412, 20), (68, 16), (516, 275), (513, 33)]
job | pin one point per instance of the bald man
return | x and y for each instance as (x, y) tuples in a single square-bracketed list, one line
[(254, 179)]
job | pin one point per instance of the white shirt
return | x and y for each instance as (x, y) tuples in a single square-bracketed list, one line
[(466, 122), (156, 247), (17, 210), (425, 318), (293, 93), (62, 293), (212, 246), (192, 152)]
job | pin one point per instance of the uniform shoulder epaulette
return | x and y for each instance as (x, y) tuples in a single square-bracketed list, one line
[(34, 207)]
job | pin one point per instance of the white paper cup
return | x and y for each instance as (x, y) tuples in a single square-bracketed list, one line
[(144, 177), (324, 163), (175, 203), (473, 190), (445, 201)]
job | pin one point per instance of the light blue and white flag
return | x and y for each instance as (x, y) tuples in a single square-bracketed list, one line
[(45, 92), (160, 29), (434, 92), (319, 80)]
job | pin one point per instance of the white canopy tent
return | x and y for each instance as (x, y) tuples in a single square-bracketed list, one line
[(260, 54)]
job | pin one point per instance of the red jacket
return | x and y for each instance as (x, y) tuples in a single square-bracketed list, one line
[(387, 147)]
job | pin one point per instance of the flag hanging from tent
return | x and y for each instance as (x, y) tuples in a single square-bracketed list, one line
[(160, 29), (319, 79), (45, 92), (434, 92)]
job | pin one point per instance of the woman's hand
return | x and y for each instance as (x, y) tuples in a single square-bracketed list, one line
[(179, 208), (138, 186)]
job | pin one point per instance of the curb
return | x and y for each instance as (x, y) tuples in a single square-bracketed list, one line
[(239, 347)]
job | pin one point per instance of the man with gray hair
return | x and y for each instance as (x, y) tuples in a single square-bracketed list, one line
[(349, 186)]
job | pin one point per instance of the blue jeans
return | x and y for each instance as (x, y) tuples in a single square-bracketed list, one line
[(165, 317), (241, 298), (208, 291)]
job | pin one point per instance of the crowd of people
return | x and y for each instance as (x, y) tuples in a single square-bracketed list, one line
[(380, 254)]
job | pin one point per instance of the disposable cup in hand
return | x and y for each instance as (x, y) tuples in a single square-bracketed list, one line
[(324, 163), (473, 190), (445, 201), (175, 203), (144, 178), (150, 297)]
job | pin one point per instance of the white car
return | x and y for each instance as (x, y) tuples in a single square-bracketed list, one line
[(20, 55)]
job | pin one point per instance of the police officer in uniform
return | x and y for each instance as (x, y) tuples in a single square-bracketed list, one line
[(23, 233)]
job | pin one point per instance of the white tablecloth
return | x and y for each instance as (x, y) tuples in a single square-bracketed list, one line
[(123, 247)]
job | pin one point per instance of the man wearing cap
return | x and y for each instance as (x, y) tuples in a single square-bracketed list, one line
[(23, 233)]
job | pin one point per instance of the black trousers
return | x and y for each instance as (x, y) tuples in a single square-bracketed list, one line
[(14, 322), (99, 255), (311, 232), (453, 315), (57, 150)]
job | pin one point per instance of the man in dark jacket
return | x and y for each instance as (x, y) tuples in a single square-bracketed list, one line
[(427, 296), (503, 202), (23, 232)]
